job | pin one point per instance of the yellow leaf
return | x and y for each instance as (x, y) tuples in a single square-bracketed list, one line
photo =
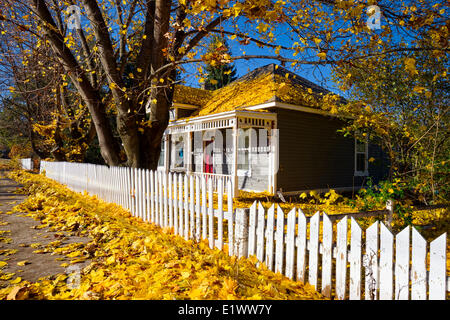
[(16, 280), (22, 263), (110, 260), (322, 55), (418, 89), (410, 66), (2, 264)]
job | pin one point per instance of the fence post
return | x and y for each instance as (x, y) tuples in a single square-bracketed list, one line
[(389, 216), (241, 232)]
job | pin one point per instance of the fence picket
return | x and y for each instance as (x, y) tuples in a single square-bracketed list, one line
[(402, 240), (147, 197), (204, 209), (252, 229), (180, 205), (290, 244), (279, 238), (152, 196), (142, 197), (170, 199), (220, 215), (418, 267), (197, 208), (175, 203), (156, 198), (186, 208), (313, 262), (260, 237), (327, 255), (269, 237), (230, 219), (138, 193), (210, 214), (192, 207), (341, 259), (438, 258), (301, 246), (386, 263), (371, 262), (355, 261), (165, 198), (161, 199)]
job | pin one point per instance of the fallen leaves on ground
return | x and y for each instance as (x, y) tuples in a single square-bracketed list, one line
[(131, 259)]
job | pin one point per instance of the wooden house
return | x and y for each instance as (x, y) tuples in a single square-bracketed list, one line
[(266, 131)]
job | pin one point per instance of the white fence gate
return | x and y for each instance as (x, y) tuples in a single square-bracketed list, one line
[(348, 263)]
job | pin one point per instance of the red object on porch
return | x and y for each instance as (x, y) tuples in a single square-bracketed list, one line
[(208, 164)]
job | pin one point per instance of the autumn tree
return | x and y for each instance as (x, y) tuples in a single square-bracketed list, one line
[(405, 110), (40, 105), (125, 55)]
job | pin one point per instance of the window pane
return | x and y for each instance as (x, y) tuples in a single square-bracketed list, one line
[(161, 155), (179, 153), (360, 146), (361, 162), (243, 163)]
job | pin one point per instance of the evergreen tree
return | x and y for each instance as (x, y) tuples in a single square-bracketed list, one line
[(219, 75)]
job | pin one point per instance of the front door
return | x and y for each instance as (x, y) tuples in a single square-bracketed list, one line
[(208, 163)]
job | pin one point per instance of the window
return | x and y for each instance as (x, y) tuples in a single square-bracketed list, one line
[(162, 154), (361, 158), (243, 151), (178, 152)]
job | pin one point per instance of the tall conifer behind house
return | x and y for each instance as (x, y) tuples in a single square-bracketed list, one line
[(219, 74)]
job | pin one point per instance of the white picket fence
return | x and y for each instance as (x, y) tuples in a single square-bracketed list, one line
[(26, 163), (340, 259)]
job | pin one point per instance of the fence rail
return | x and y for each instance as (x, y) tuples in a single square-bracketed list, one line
[(339, 258)]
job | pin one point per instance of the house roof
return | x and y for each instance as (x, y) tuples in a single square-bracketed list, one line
[(270, 83)]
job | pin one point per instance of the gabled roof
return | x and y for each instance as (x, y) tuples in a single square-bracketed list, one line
[(270, 83)]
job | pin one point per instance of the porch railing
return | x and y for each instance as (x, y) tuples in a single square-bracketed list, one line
[(216, 179)]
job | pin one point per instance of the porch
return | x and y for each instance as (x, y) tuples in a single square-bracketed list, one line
[(239, 147)]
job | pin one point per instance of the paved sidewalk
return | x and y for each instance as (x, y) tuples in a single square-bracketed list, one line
[(19, 237)]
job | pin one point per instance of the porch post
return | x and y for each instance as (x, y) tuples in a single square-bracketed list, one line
[(274, 149), (166, 153), (235, 157), (189, 153)]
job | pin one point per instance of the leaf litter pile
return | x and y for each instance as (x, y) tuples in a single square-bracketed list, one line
[(132, 259)]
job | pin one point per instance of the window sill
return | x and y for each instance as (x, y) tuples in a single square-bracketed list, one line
[(361, 174)]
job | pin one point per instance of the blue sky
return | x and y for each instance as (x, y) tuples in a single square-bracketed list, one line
[(320, 75)]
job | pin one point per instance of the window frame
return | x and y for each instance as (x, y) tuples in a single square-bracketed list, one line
[(163, 153), (245, 172), (358, 173), (173, 141)]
